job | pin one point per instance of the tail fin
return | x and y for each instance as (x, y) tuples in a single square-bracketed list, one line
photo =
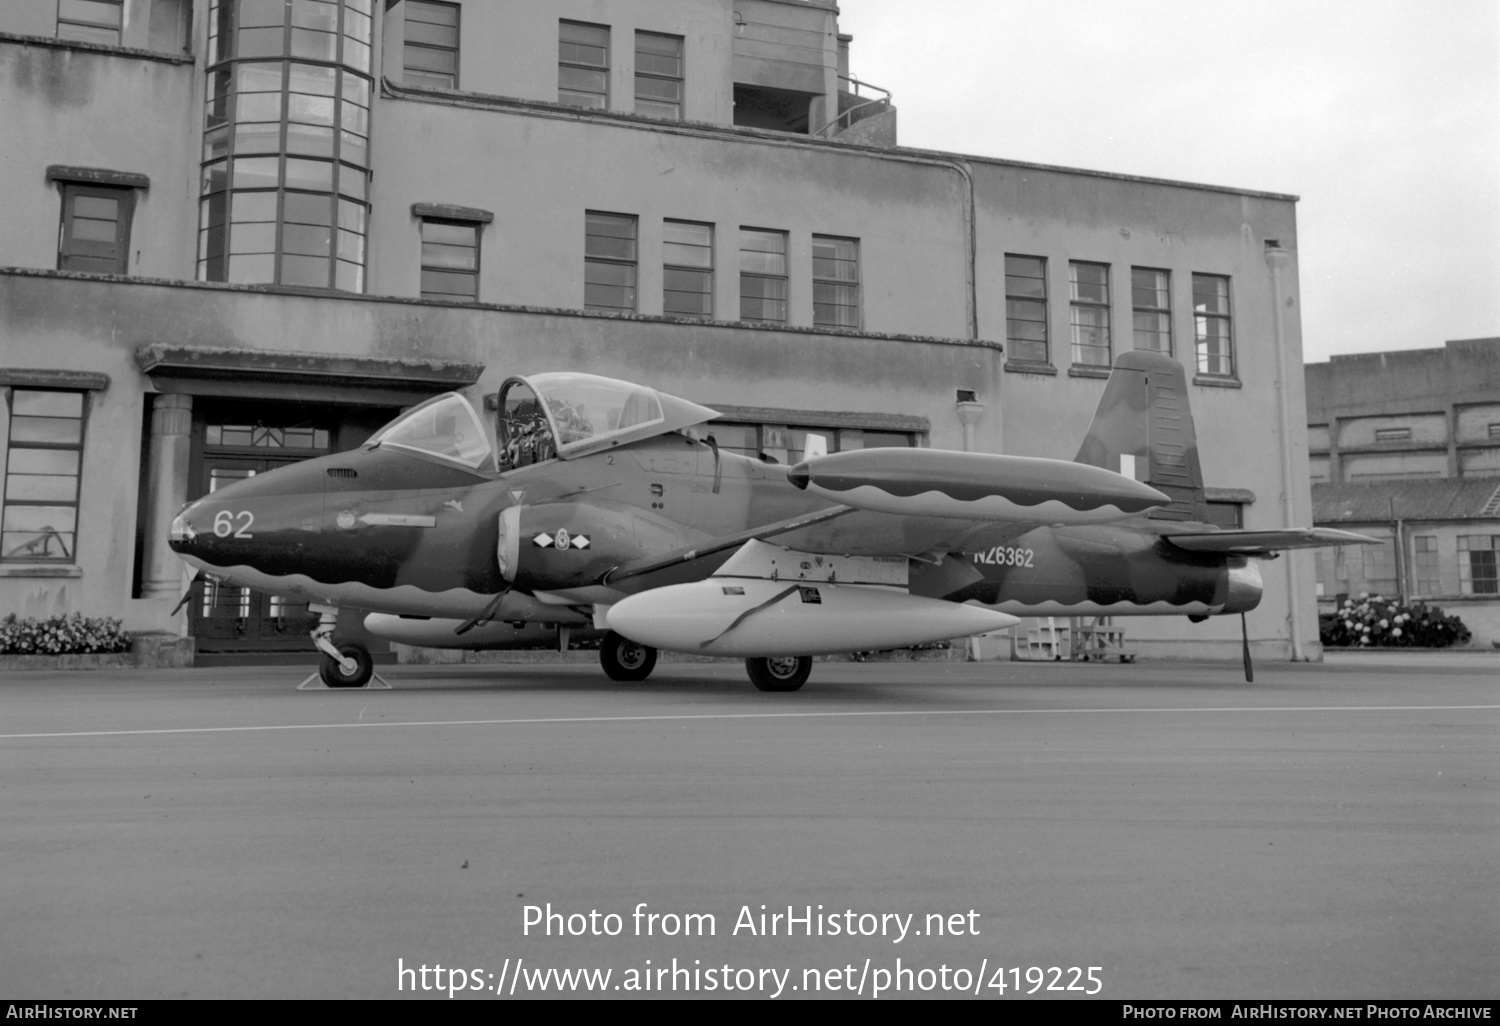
[(1144, 429)]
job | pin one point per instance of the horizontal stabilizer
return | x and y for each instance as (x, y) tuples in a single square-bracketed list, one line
[(1261, 543)]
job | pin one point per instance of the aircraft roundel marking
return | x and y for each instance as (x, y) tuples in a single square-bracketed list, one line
[(346, 519), (561, 540)]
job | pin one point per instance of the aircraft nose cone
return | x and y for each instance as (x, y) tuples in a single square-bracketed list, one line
[(184, 530)]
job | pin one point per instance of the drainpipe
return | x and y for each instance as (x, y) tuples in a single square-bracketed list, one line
[(1398, 531), (969, 411), (1277, 258)]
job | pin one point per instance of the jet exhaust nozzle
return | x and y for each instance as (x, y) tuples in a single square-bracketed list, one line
[(1245, 586)]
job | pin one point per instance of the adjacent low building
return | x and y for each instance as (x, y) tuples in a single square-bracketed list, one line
[(1405, 446)]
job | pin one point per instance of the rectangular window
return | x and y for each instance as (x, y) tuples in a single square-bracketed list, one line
[(42, 467), (450, 260), (1026, 308), (1477, 569), (1228, 515), (429, 56), (583, 64), (1426, 565), (1151, 308), (1211, 326), (609, 262), (688, 269), (90, 21), (835, 282), (787, 443), (1492, 431), (658, 76), (1380, 568), (1398, 434), (95, 235), (1089, 294), (763, 277)]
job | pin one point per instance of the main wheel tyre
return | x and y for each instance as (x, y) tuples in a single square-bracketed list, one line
[(332, 671), (779, 673), (626, 660)]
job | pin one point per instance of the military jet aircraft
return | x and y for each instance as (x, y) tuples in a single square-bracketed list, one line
[(591, 502)]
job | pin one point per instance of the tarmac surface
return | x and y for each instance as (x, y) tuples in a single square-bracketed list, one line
[(1326, 832)]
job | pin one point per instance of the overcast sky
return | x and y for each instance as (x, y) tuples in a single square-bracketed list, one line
[(1383, 116)]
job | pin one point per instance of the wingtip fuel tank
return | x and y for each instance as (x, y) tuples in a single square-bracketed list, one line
[(941, 483)]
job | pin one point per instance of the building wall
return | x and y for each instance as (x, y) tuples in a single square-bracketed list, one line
[(1127, 223), (912, 268), (83, 108), (933, 230), (514, 58)]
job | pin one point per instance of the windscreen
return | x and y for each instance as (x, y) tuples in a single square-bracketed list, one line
[(446, 427)]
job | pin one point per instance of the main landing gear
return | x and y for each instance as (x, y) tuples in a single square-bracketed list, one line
[(779, 673), (625, 660)]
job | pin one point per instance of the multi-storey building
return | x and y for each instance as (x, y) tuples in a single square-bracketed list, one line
[(1405, 446), (240, 232)]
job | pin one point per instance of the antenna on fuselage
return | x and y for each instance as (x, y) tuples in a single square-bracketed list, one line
[(187, 594)]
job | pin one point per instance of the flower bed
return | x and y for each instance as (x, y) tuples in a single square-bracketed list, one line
[(1372, 621), (73, 634)]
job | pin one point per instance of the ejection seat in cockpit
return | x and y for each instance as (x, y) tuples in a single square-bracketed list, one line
[(524, 435)]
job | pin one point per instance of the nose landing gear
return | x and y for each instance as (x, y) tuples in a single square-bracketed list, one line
[(348, 665), (353, 668)]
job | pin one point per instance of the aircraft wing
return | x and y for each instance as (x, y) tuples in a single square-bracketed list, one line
[(918, 502), (691, 553), (838, 530), (1263, 543)]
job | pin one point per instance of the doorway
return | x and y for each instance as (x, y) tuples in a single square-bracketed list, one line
[(236, 440)]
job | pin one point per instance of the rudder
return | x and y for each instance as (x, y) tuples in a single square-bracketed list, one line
[(1143, 429)]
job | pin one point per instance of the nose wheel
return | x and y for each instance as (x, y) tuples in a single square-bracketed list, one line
[(349, 665), (779, 673), (352, 669), (625, 660)]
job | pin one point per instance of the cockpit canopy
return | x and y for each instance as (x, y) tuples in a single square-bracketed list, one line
[(540, 417), (566, 415)]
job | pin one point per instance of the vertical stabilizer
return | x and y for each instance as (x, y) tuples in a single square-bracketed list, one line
[(1143, 429)]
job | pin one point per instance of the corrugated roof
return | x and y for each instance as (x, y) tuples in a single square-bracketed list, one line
[(1426, 499)]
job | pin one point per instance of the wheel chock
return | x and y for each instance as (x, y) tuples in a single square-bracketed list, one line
[(375, 683)]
